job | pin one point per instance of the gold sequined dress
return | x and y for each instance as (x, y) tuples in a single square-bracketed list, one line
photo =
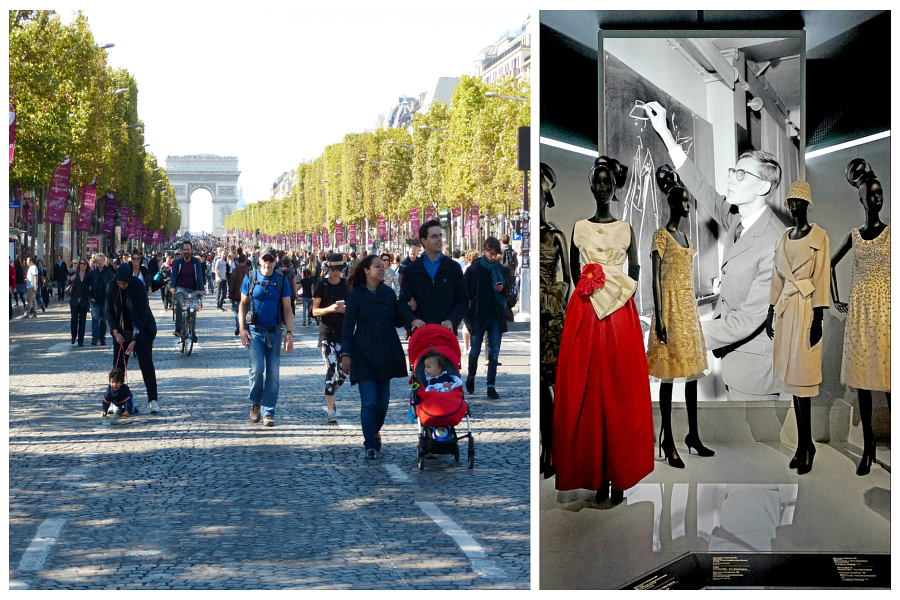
[(867, 330), (684, 354), (553, 311)]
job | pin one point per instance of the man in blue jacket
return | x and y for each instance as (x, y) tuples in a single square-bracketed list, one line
[(133, 326), (187, 277)]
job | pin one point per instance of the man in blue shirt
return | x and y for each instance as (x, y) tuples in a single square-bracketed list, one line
[(266, 300)]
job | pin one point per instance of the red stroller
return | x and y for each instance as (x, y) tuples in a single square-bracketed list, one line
[(438, 413)]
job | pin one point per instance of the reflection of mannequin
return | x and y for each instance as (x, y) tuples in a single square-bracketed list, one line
[(797, 301), (602, 418), (867, 334), (554, 295), (680, 351)]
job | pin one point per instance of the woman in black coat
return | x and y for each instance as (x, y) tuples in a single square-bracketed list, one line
[(371, 345), (80, 301)]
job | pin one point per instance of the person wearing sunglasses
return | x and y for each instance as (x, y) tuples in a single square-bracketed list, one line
[(140, 271), (80, 301), (736, 333)]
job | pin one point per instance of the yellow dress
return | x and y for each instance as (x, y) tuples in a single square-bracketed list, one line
[(684, 354), (867, 330)]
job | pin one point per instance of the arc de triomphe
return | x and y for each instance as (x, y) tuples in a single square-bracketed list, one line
[(216, 174)]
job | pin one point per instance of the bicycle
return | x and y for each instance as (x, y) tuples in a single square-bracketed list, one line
[(189, 308)]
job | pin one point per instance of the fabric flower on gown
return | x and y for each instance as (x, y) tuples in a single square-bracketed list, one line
[(592, 279)]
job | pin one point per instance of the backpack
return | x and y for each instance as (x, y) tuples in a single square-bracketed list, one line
[(510, 260), (280, 286)]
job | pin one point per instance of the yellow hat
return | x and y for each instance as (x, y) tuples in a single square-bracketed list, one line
[(800, 190)]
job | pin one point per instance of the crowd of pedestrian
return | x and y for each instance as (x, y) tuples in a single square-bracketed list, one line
[(357, 302)]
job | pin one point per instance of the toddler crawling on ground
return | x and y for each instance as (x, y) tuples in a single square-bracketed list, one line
[(118, 395), (439, 380)]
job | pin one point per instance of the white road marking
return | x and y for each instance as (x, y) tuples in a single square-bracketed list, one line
[(18, 585), (472, 549), (57, 349), (36, 554), (143, 552), (396, 473), (12, 348), (345, 425)]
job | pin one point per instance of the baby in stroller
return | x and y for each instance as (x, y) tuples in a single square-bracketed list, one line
[(437, 378)]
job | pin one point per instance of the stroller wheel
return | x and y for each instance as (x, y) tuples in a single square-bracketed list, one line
[(420, 459), (471, 453)]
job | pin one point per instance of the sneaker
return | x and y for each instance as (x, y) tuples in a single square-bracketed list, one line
[(154, 406), (94, 342), (378, 442), (268, 421), (492, 393), (332, 416), (254, 413), (470, 385), (371, 454)]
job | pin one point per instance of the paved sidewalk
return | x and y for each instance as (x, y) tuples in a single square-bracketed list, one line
[(198, 497)]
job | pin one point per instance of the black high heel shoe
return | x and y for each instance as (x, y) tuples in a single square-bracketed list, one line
[(603, 492), (805, 461), (693, 441), (796, 460), (668, 446), (865, 463)]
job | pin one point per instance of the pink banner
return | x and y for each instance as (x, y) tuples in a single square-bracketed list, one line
[(12, 133), (455, 212), (123, 214), (92, 244), (109, 216), (414, 221), (132, 227), (382, 229), (59, 193), (280, 238), (313, 241), (339, 235), (351, 233), (302, 238), (430, 213), (325, 239), (473, 221), (86, 211)]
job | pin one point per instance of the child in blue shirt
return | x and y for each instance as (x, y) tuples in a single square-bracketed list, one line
[(118, 394)]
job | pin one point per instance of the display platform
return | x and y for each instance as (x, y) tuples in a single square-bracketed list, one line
[(743, 501), (698, 570)]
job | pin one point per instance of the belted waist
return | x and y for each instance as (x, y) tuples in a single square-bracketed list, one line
[(804, 287), (266, 329)]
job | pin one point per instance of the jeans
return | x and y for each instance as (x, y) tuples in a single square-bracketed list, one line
[(144, 351), (491, 326), (180, 293), (223, 293), (307, 310), (234, 307), (374, 397), (264, 363), (98, 322), (79, 317), (60, 289)]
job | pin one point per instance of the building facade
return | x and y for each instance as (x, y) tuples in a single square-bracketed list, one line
[(510, 55)]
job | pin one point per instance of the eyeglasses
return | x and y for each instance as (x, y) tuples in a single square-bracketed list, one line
[(739, 174), (436, 236), (268, 259), (84, 264)]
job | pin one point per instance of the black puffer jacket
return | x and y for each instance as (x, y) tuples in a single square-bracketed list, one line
[(440, 299)]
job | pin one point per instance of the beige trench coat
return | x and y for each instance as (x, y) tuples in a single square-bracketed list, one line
[(796, 290)]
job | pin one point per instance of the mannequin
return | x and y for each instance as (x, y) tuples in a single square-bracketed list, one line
[(797, 301), (867, 354), (602, 418), (679, 351), (554, 295)]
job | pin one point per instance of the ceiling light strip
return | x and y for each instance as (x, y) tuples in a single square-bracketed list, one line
[(569, 147), (845, 145)]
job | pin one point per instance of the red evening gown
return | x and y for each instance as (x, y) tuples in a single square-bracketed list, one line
[(602, 416)]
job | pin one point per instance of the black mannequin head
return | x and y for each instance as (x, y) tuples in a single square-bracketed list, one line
[(798, 209), (548, 182), (871, 195), (676, 194), (606, 176)]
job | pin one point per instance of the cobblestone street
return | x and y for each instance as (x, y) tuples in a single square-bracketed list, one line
[(198, 497)]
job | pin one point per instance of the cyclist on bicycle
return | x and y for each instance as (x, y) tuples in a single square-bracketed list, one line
[(187, 278)]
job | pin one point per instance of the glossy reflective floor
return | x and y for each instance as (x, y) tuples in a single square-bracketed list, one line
[(744, 499)]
